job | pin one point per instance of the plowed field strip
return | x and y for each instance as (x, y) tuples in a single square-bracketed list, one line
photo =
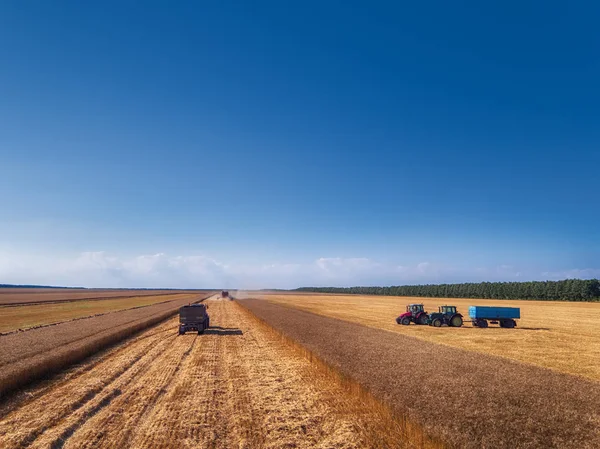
[(237, 385), (468, 399)]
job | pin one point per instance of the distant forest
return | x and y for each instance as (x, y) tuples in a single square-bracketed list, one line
[(567, 290)]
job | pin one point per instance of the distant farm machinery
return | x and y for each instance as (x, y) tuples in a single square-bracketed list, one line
[(480, 316)]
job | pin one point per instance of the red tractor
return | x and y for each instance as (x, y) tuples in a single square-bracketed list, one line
[(415, 313)]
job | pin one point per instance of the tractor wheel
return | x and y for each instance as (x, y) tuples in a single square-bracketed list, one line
[(405, 321), (456, 321), (436, 322), (422, 319), (482, 323)]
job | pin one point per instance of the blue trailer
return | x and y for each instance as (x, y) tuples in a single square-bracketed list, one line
[(504, 316)]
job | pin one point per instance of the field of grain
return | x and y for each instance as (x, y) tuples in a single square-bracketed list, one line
[(19, 296), (563, 336), (26, 316), (28, 355), (238, 385), (468, 399)]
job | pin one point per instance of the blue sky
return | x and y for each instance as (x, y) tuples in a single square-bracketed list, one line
[(265, 144)]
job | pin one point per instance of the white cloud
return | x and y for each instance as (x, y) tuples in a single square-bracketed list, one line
[(99, 269)]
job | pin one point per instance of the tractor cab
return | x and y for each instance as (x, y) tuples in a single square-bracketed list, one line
[(415, 313), (447, 310), (446, 315), (415, 309)]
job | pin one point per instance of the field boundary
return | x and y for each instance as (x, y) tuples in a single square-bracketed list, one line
[(394, 424), (42, 367)]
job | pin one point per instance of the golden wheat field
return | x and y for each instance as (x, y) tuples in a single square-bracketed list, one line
[(13, 317), (238, 385), (563, 336)]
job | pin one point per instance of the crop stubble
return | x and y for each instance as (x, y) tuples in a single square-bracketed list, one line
[(559, 335), (27, 316), (29, 355), (467, 399), (237, 385), (21, 296)]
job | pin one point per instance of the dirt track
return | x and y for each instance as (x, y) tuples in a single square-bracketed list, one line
[(468, 399), (235, 386)]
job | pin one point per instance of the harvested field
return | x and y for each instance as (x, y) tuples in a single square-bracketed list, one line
[(18, 296), (563, 336), (238, 385), (28, 316), (28, 355), (468, 399)]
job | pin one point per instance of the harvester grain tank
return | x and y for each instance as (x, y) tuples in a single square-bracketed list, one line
[(193, 318), (504, 316), (414, 313)]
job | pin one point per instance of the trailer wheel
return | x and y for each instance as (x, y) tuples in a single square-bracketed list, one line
[(456, 321), (509, 324), (436, 322), (482, 323), (405, 321)]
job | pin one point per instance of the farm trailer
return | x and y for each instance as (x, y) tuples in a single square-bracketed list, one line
[(193, 318), (505, 316)]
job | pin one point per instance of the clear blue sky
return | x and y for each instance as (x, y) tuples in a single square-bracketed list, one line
[(268, 144)]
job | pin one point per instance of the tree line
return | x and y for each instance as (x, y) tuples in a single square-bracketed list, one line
[(565, 290)]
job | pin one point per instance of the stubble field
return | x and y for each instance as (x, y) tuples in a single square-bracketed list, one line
[(19, 296), (238, 385), (302, 371), (560, 335), (27, 315)]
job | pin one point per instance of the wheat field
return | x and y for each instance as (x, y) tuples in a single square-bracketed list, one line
[(238, 385), (563, 336), (27, 316)]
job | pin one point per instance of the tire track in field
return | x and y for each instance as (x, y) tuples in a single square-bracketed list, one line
[(137, 396), (55, 406)]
